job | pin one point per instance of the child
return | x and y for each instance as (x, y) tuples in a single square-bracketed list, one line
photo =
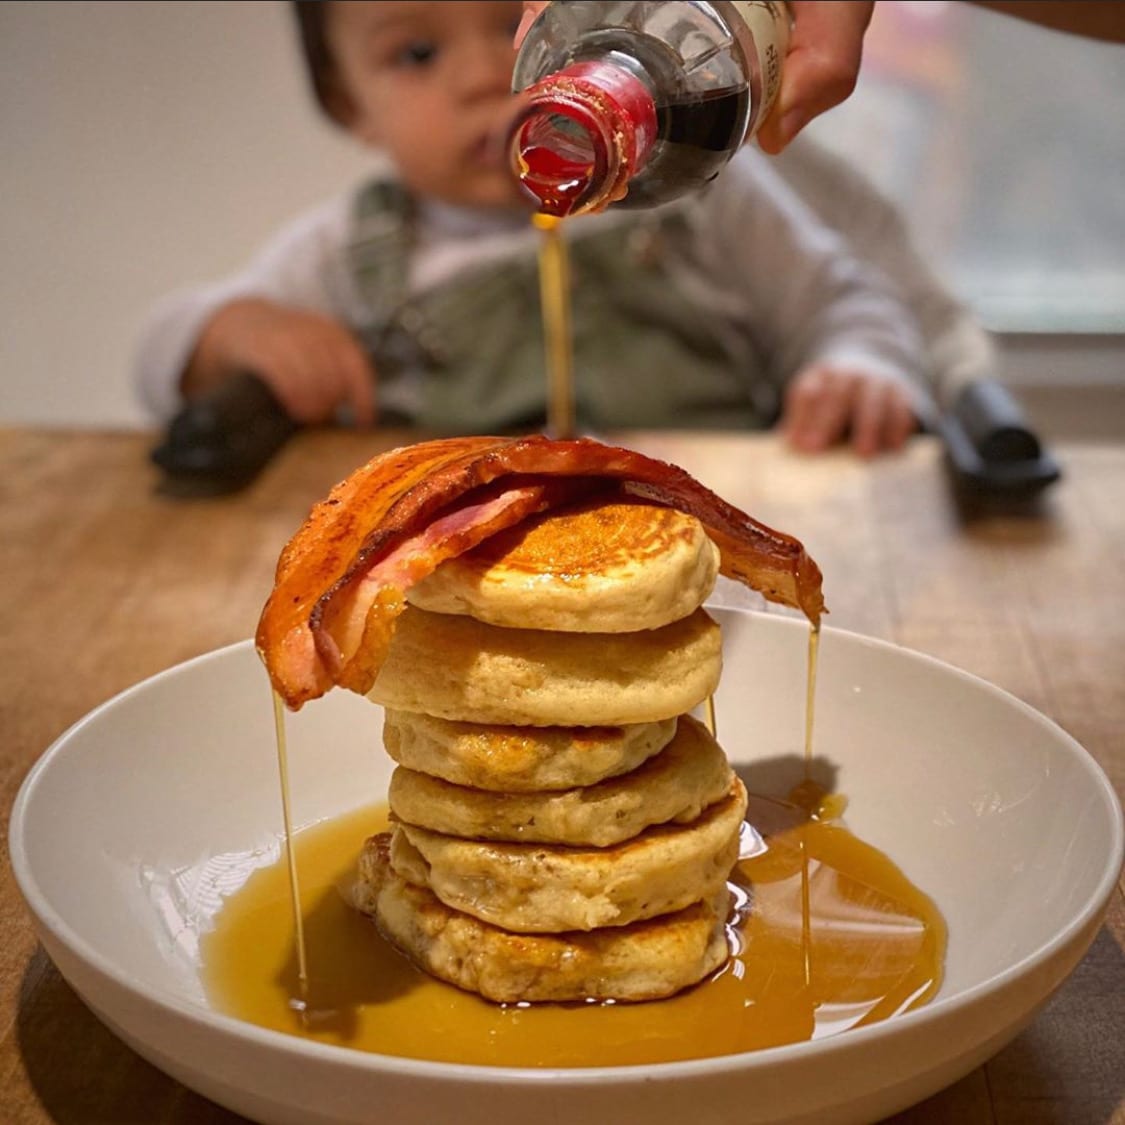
[(415, 299)]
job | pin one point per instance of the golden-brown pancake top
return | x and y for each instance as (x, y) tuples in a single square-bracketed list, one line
[(591, 537), (612, 565)]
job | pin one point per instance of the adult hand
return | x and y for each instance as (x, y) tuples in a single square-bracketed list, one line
[(310, 361), (825, 403), (821, 66), (530, 11)]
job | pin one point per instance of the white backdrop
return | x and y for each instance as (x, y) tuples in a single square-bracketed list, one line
[(145, 146)]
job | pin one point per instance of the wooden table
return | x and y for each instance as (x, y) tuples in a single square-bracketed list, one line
[(106, 582)]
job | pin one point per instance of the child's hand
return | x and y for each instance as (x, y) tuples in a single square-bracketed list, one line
[(312, 362), (824, 404)]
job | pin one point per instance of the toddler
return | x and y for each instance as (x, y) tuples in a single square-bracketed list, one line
[(415, 299)]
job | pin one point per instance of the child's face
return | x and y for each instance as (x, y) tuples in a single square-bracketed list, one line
[(430, 84)]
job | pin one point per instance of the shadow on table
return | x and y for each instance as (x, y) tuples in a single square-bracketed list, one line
[(83, 1074)]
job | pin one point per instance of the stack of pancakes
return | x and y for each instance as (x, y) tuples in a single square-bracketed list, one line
[(562, 828)]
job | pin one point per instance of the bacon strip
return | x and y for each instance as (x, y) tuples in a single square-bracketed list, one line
[(342, 580)]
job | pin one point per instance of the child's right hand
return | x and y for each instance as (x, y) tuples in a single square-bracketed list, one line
[(310, 361), (826, 403)]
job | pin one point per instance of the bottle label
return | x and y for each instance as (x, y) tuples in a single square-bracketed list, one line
[(765, 43)]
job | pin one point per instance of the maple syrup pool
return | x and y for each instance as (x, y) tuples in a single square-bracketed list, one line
[(827, 935)]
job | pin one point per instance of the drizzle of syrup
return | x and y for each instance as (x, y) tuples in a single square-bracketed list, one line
[(810, 691), (557, 178), (554, 296), (298, 1002)]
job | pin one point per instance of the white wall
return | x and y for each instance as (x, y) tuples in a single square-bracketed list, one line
[(144, 146)]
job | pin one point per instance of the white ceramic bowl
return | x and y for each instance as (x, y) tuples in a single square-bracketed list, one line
[(986, 805)]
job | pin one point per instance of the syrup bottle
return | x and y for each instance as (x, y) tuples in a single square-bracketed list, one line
[(637, 103)]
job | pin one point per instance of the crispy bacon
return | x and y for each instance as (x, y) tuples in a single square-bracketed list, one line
[(342, 579)]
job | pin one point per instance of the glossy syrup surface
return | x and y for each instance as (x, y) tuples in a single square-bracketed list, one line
[(828, 935), (557, 180)]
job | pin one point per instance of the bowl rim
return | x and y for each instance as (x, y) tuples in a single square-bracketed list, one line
[(374, 1064)]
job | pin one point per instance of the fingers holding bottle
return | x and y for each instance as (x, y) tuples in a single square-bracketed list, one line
[(821, 66)]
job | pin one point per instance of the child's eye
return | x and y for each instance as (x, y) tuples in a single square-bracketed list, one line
[(420, 52)]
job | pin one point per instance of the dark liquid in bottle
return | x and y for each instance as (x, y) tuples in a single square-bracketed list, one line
[(694, 138)]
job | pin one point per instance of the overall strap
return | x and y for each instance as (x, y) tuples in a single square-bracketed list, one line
[(394, 332), (379, 250)]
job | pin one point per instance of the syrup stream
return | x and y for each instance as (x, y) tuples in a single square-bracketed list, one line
[(301, 1002), (815, 795), (554, 295), (709, 717), (810, 693)]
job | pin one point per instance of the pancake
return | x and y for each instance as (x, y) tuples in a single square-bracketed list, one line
[(676, 785), (519, 759), (594, 567), (643, 961), (459, 668), (545, 888)]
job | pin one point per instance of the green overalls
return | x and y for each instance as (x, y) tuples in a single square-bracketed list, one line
[(645, 354)]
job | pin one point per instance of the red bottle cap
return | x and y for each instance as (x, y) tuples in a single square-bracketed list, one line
[(584, 132)]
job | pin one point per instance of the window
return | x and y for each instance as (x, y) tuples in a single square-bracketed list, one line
[(1005, 144)]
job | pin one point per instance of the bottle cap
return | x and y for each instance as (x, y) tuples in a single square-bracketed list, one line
[(582, 134)]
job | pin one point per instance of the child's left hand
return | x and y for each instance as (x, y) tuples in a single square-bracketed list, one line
[(824, 404)]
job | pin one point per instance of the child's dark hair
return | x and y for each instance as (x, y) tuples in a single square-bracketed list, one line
[(311, 27)]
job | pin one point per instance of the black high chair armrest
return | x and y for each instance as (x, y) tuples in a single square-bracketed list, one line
[(991, 449), (219, 442)]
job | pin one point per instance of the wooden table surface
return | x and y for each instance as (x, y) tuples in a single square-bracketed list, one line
[(105, 582)]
